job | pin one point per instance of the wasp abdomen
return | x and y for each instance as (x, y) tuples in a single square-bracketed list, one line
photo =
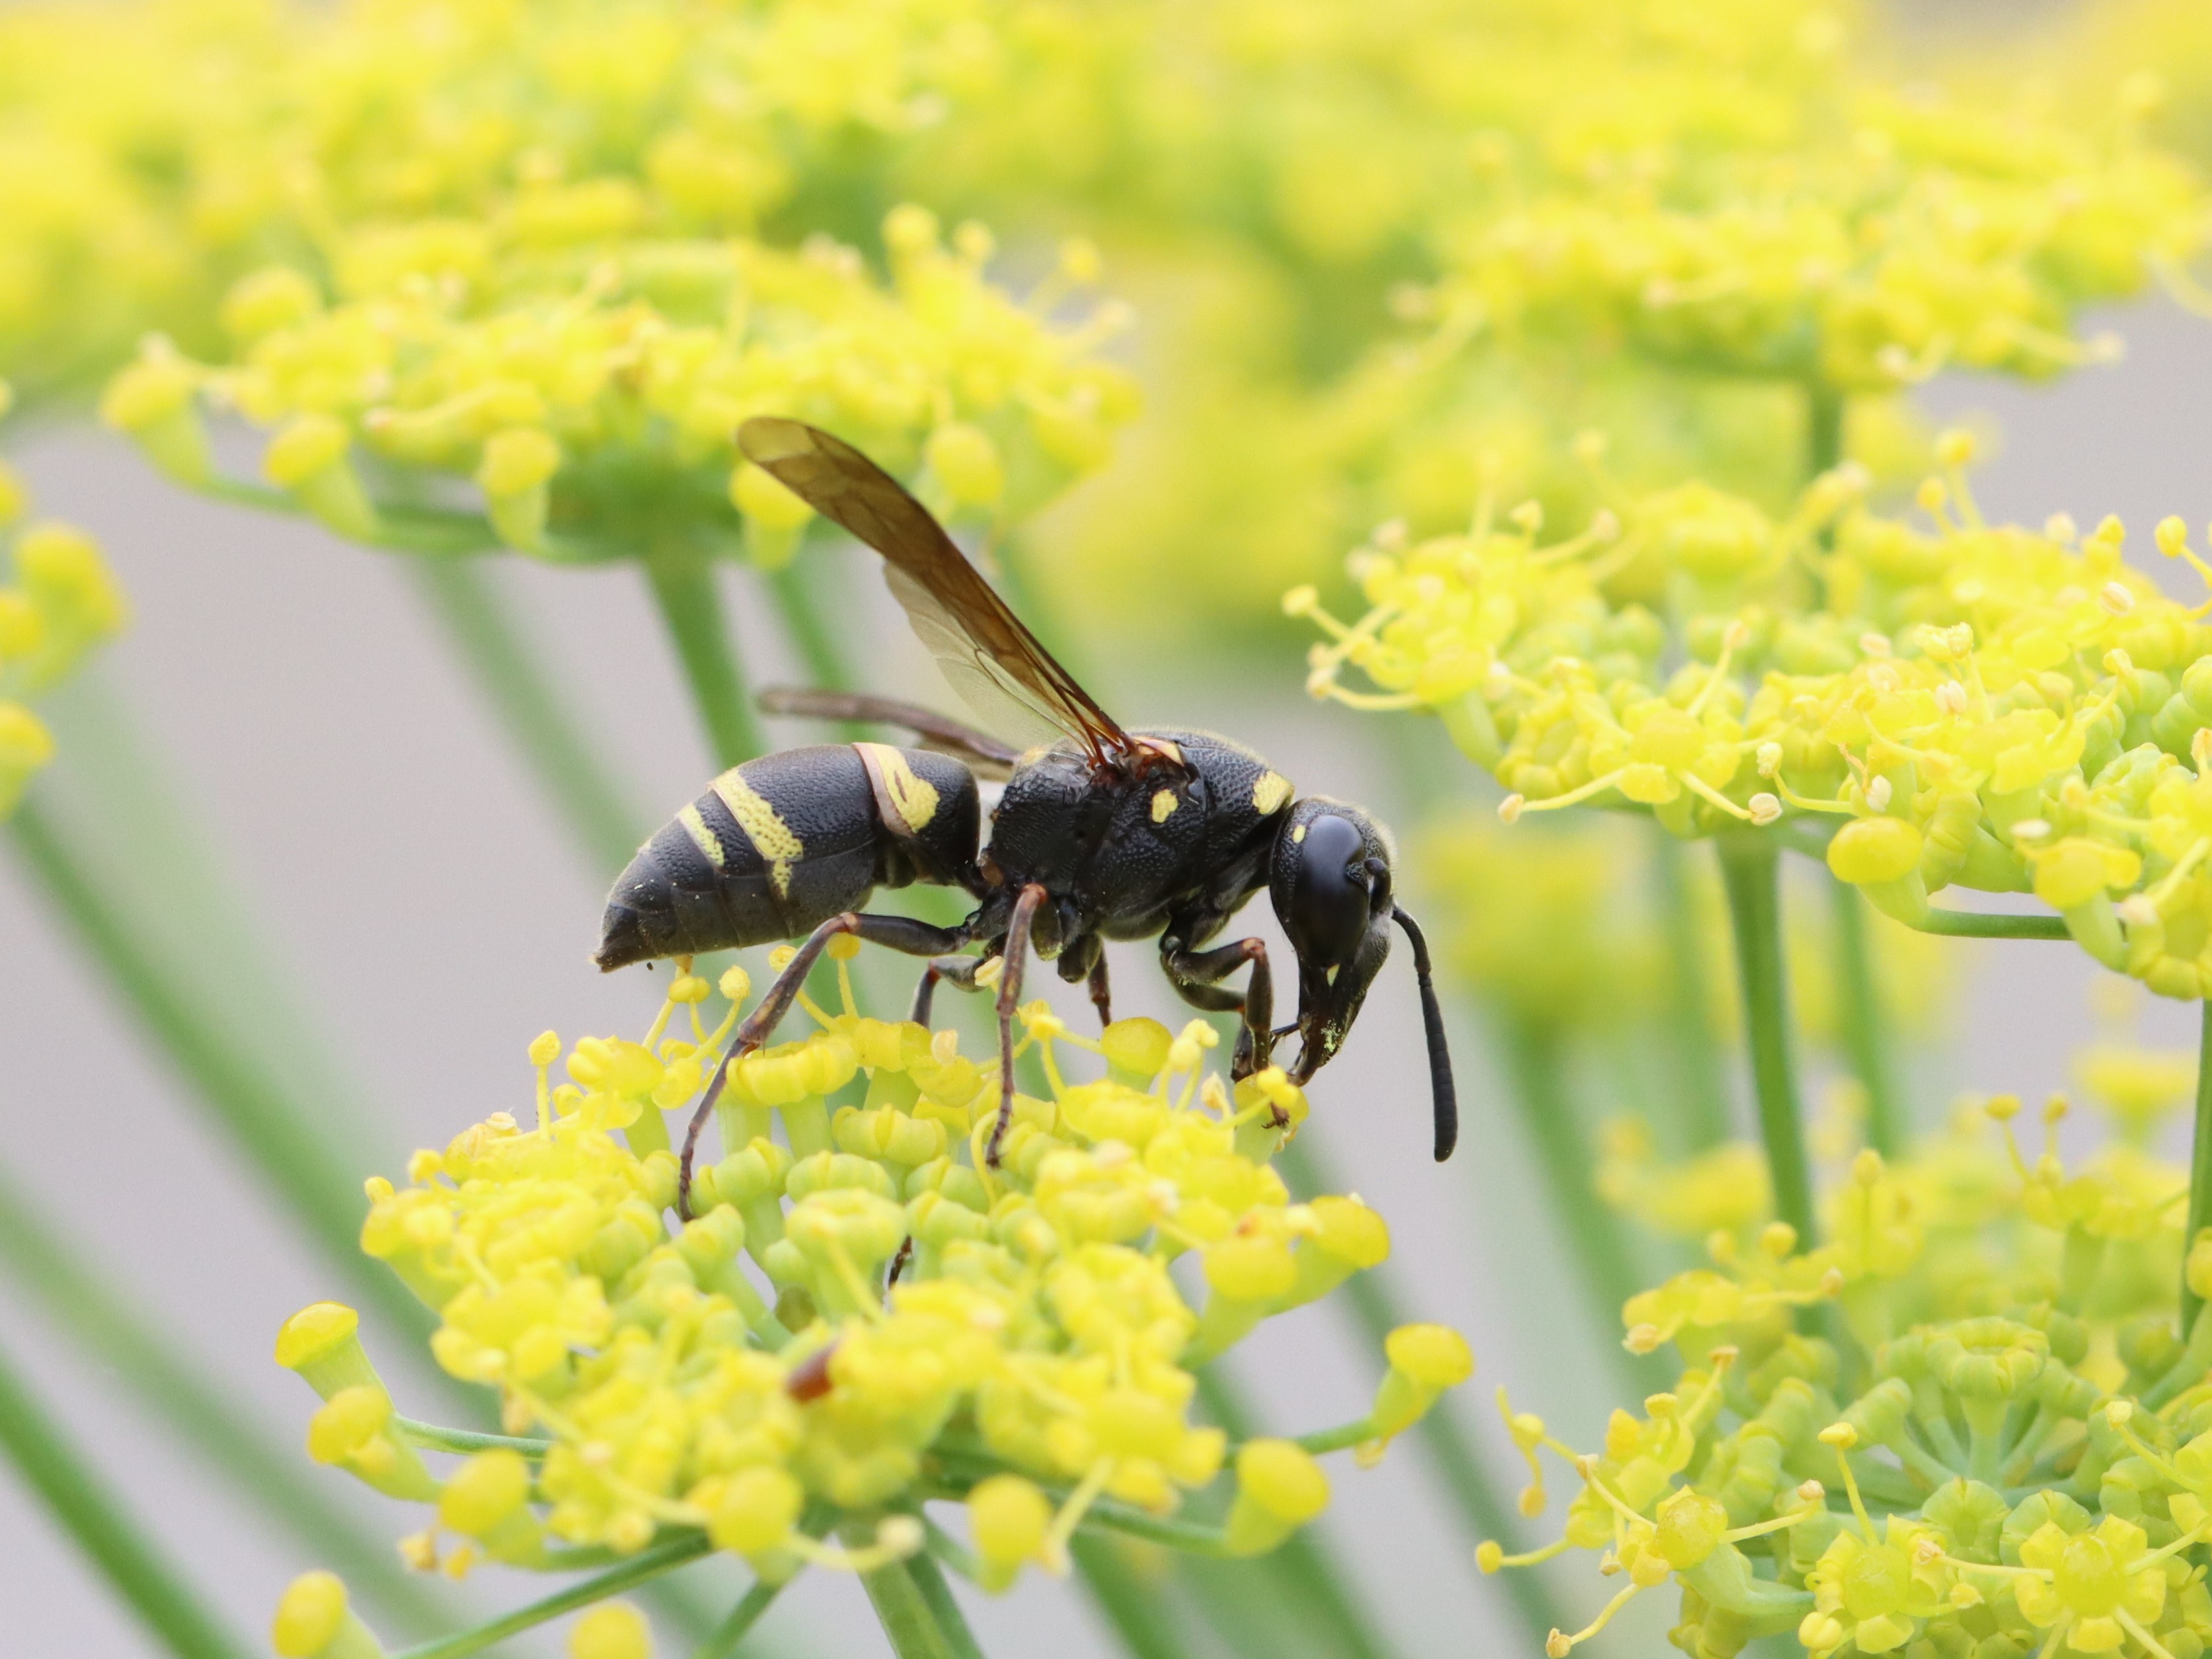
[(779, 845), (771, 848)]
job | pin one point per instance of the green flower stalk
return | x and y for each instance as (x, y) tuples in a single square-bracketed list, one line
[(859, 1320)]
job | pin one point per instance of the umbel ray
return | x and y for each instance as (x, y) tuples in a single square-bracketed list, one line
[(1101, 833)]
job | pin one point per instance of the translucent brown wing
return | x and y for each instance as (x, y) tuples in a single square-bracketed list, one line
[(991, 659)]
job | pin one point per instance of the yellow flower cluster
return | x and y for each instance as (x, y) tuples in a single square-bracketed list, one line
[(1965, 703), (1859, 240), (590, 390), (154, 152), (862, 1314), (1968, 1424), (1567, 207), (61, 602)]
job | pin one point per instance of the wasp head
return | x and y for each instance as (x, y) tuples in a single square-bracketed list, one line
[(1331, 886)]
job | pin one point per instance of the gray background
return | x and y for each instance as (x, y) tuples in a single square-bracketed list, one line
[(400, 861)]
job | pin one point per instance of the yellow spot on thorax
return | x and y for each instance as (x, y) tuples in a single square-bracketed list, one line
[(1269, 793), (913, 798), (701, 838), (1298, 834), (769, 832), (1163, 805)]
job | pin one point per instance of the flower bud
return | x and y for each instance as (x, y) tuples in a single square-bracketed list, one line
[(515, 474), (966, 462), (488, 1498), (1009, 1519), (613, 1630), (1279, 1487), (1425, 1361), (314, 1621), (1875, 849), (353, 1430), (1691, 1527), (1135, 1051), (153, 401), (756, 1510), (309, 458), (774, 517), (26, 746)]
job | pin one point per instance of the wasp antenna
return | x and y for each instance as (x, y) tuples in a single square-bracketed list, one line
[(1441, 1088)]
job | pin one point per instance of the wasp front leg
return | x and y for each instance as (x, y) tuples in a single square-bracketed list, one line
[(1197, 976), (902, 934)]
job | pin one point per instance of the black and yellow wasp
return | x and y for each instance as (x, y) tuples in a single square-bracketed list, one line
[(1100, 833)]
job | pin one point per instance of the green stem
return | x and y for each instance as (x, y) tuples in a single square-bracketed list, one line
[(1703, 1086), (80, 1501), (1303, 1570), (929, 1577), (639, 1569), (435, 1437), (1534, 1062), (510, 670), (915, 1619), (1977, 924), (171, 1388), (1342, 1437), (810, 633), (402, 527), (275, 1133), (1751, 868), (1825, 410), (1865, 1034), (682, 574), (1135, 1609), (2200, 1167), (731, 1633), (1372, 1298)]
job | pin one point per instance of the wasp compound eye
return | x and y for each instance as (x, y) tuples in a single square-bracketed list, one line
[(1326, 903)]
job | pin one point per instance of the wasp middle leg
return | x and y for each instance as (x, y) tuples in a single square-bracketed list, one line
[(902, 934), (1026, 906), (1197, 976), (959, 971)]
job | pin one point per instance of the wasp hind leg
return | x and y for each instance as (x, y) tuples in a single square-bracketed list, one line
[(1197, 976), (903, 933)]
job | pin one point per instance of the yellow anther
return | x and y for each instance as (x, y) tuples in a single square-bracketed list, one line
[(689, 987), (2172, 536), (1840, 1435), (2116, 598), (843, 947), (544, 1048), (1778, 1238), (1510, 809), (2002, 1108), (736, 984)]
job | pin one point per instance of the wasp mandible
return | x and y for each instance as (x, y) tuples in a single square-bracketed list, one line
[(1101, 833)]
